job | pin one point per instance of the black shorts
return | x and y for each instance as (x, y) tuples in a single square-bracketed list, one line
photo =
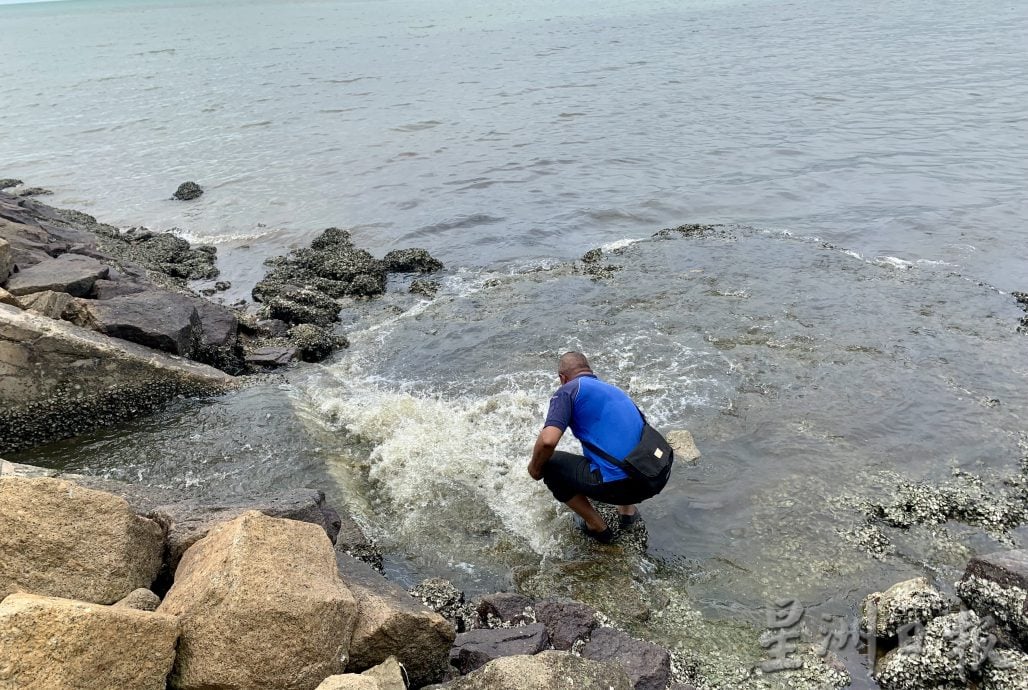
[(567, 475)]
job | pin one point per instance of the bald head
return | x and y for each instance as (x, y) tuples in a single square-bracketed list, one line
[(571, 364)]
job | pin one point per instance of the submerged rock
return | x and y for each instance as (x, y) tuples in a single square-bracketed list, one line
[(46, 642), (261, 606), (544, 671), (911, 602), (392, 623), (187, 191), (427, 288), (60, 539)]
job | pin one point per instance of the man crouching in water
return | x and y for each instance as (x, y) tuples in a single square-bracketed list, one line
[(603, 417)]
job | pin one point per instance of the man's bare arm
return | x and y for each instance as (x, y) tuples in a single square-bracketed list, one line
[(544, 447)]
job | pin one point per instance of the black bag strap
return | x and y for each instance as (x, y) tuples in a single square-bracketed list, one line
[(607, 456)]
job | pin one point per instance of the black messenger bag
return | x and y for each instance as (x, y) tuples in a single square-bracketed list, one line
[(648, 463)]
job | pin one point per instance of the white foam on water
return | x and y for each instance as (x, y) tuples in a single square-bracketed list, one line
[(619, 244), (892, 262)]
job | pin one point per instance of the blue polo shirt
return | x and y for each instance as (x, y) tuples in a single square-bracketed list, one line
[(598, 413)]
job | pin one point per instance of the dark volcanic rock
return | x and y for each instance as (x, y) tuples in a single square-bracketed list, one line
[(504, 607), (188, 191), (187, 522), (411, 260), (566, 621), (69, 273), (647, 665), (220, 324), (314, 343), (476, 648), (106, 289), (164, 321)]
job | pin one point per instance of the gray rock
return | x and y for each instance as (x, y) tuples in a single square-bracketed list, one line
[(187, 522), (166, 254), (421, 286), (10, 300), (411, 260), (505, 609), (62, 380), (390, 622), (8, 182), (314, 343), (187, 191), (165, 321), (911, 601), (997, 585), (220, 324), (566, 622), (141, 600), (476, 648), (303, 305), (949, 650), (106, 289), (6, 260), (443, 597), (71, 273), (273, 328), (48, 303), (271, 356), (544, 671), (648, 666), (1006, 669)]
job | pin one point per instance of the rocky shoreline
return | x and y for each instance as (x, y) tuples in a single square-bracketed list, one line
[(98, 325)]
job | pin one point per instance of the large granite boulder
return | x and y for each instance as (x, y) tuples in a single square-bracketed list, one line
[(141, 600), (187, 522), (996, 584), (261, 606), (60, 539), (165, 321), (566, 622), (390, 622), (647, 665), (544, 671), (901, 606), (6, 260), (59, 380), (386, 676), (476, 648), (71, 273), (49, 643)]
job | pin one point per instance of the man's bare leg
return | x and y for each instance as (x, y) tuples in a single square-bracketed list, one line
[(593, 520)]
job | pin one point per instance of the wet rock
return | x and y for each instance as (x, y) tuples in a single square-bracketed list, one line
[(161, 320), (544, 671), (8, 182), (566, 622), (71, 273), (6, 260), (475, 648), (272, 328), (684, 446), (912, 601), (411, 260), (950, 649), (302, 305), (166, 254), (47, 642), (106, 289), (260, 606), (271, 356), (1006, 669), (187, 522), (10, 300), (60, 539), (222, 285), (443, 597), (392, 623), (53, 305), (997, 585), (355, 543), (187, 191), (647, 665), (314, 343), (427, 288), (505, 609), (34, 191), (141, 600)]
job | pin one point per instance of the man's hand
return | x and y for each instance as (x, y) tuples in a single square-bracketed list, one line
[(544, 447)]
